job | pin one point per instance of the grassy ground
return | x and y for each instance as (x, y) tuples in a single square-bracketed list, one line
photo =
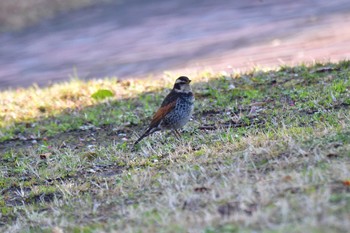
[(267, 151), (17, 14)]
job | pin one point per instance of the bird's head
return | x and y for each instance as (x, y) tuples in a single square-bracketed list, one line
[(182, 84)]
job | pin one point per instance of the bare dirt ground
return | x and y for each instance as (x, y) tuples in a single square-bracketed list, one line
[(137, 38)]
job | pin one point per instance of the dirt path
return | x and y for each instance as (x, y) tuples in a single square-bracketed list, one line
[(135, 38)]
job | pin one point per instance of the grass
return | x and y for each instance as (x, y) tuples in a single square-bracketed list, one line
[(266, 151), (15, 15)]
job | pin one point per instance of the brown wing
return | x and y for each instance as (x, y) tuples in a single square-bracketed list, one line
[(162, 112)]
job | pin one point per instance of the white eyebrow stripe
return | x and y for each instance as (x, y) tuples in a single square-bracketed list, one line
[(179, 81)]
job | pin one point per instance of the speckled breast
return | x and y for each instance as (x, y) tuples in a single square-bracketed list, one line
[(181, 113)]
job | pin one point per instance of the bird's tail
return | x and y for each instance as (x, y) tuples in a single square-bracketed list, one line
[(148, 132)]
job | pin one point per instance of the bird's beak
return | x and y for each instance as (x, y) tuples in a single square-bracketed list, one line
[(189, 81)]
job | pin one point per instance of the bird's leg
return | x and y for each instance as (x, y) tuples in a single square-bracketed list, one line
[(174, 132), (178, 135)]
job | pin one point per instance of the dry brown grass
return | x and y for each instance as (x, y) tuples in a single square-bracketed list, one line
[(17, 14)]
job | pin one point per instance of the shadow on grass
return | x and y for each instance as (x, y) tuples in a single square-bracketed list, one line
[(222, 102), (73, 129)]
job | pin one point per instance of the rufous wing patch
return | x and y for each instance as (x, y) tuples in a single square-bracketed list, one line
[(161, 113)]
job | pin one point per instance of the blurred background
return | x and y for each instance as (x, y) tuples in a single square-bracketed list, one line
[(47, 41)]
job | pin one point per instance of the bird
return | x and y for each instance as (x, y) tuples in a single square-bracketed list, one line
[(175, 110)]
